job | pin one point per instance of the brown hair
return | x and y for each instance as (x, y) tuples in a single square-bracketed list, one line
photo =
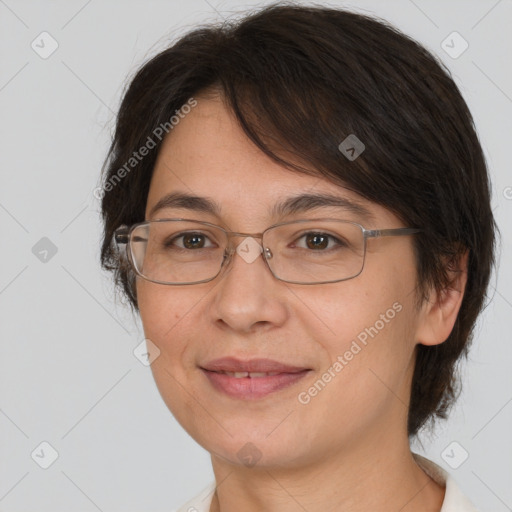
[(300, 79)]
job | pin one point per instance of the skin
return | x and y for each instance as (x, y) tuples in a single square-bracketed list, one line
[(347, 449)]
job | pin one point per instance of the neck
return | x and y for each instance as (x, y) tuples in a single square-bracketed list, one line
[(380, 476)]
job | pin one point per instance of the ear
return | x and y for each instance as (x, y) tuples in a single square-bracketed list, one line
[(439, 313)]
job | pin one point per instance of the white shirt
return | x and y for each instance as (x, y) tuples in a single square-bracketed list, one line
[(454, 500)]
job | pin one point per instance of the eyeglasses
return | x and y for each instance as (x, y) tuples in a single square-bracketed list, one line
[(185, 251)]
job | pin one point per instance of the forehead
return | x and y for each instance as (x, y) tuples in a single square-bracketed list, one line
[(208, 155), (208, 145)]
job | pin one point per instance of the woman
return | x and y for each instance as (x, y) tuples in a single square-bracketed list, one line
[(301, 214)]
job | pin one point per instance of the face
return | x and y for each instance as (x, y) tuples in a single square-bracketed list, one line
[(354, 339)]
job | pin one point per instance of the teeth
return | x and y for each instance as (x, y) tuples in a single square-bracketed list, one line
[(252, 375)]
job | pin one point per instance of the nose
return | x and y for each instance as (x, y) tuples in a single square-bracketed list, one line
[(247, 297)]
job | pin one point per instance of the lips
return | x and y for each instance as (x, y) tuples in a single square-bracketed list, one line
[(234, 365), (251, 380), (252, 375)]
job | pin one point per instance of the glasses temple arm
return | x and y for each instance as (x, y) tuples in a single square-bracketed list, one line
[(374, 233)]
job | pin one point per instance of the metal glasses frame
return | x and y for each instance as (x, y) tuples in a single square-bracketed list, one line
[(122, 236)]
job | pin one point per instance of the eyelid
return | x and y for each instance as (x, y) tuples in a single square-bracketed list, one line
[(337, 241), (181, 234)]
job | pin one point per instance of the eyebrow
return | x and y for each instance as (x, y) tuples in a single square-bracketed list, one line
[(292, 205)]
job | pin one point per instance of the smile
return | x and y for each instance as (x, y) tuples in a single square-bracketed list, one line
[(252, 375), (251, 385)]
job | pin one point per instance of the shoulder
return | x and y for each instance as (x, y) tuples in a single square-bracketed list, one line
[(454, 499), (201, 502)]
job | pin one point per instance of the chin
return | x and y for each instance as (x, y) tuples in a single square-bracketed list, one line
[(257, 450)]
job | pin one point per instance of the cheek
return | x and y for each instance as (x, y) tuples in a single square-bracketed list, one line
[(163, 309), (369, 361), (368, 339), (164, 314), (352, 311), (164, 318)]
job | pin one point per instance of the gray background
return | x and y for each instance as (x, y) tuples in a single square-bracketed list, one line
[(67, 369)]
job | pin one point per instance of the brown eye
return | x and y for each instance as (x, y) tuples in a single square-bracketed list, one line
[(193, 241), (189, 241), (317, 241)]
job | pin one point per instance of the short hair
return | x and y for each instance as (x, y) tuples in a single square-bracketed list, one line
[(300, 79)]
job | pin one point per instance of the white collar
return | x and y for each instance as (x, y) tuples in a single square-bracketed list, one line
[(454, 500)]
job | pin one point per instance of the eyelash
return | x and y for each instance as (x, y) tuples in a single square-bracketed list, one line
[(337, 241)]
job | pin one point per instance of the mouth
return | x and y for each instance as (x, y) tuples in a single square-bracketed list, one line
[(252, 375), (253, 379)]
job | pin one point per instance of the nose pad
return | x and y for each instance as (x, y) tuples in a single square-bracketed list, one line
[(229, 253)]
